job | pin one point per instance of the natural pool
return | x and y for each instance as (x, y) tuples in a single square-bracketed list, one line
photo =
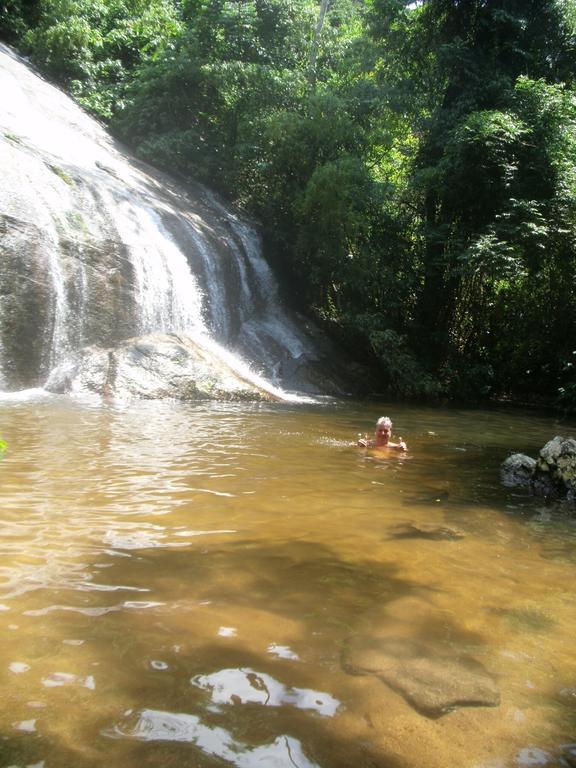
[(182, 585)]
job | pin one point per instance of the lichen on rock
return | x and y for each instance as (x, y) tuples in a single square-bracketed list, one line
[(552, 475), (517, 470), (556, 467)]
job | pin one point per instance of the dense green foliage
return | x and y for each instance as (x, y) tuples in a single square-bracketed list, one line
[(92, 46), (413, 164)]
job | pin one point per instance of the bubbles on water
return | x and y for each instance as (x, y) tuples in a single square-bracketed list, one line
[(333, 442)]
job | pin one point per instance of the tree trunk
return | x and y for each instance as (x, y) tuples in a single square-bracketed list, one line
[(316, 43), (437, 301)]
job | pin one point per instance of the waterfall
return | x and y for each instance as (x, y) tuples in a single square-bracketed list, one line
[(97, 248), (168, 296)]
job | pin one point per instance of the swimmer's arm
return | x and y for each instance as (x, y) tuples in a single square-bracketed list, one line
[(401, 446)]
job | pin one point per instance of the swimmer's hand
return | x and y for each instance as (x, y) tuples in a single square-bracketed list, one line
[(362, 441), (402, 445)]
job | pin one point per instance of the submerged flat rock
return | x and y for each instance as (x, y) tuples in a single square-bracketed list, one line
[(432, 683), (426, 531)]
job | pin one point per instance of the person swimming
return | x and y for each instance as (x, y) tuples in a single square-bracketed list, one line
[(382, 437)]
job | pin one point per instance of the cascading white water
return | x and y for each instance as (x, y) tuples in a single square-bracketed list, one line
[(271, 319), (169, 297), (97, 249), (219, 314)]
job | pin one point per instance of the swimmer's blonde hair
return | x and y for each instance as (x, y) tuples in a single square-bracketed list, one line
[(384, 421)]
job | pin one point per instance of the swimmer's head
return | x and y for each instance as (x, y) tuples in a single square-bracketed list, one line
[(383, 430)]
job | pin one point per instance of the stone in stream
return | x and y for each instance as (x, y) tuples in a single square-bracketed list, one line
[(517, 470), (433, 683), (555, 471), (426, 531), (552, 475), (569, 754)]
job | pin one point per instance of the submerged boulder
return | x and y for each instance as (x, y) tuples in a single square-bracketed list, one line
[(157, 366), (427, 531), (432, 682), (552, 475)]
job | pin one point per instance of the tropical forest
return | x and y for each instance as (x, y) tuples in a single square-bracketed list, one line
[(288, 383), (412, 165)]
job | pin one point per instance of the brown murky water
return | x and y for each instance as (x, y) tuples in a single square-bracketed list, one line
[(180, 586)]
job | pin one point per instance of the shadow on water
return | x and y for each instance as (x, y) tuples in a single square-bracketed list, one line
[(303, 581), (165, 720), (324, 598), (171, 721)]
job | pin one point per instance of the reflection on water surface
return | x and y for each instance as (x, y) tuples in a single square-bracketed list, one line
[(181, 585), (150, 725), (243, 686)]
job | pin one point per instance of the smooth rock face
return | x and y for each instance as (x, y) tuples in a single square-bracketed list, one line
[(433, 683), (154, 367), (96, 247), (517, 470)]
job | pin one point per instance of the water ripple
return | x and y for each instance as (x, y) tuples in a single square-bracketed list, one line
[(156, 725)]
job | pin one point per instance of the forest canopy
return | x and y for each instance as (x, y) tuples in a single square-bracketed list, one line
[(413, 164)]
